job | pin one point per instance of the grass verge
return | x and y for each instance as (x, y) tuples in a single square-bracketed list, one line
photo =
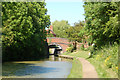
[(79, 53), (76, 71), (103, 72)]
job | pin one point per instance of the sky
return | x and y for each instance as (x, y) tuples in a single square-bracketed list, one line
[(70, 10)]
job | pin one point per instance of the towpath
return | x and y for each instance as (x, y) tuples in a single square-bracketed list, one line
[(87, 68)]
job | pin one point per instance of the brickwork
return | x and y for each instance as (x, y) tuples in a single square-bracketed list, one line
[(51, 27), (59, 41), (63, 42)]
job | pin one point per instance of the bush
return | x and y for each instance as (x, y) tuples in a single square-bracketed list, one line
[(69, 49), (109, 55), (70, 45), (85, 49), (89, 48), (82, 47)]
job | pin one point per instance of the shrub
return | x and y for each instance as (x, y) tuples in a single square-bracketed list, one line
[(82, 47), (70, 45), (109, 55), (69, 49)]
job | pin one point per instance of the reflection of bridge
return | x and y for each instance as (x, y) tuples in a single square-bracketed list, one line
[(59, 42)]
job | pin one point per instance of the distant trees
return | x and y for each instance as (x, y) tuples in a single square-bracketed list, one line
[(23, 32), (102, 22), (59, 28), (74, 33)]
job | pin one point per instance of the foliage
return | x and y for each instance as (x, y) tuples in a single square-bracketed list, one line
[(70, 45), (72, 32), (103, 71), (90, 48), (102, 22), (50, 35), (69, 49), (106, 61), (109, 55), (23, 36), (99, 60), (59, 28), (82, 47)]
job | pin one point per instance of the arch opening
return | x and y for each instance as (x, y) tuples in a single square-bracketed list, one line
[(55, 49)]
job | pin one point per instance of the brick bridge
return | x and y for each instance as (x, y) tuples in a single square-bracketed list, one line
[(62, 42)]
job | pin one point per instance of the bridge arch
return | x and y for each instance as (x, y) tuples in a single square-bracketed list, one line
[(54, 49), (62, 42)]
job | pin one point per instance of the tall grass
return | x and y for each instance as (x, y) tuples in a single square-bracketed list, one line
[(105, 61)]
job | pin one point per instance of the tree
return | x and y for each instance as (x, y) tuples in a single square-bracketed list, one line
[(23, 36), (102, 22), (73, 33), (59, 28)]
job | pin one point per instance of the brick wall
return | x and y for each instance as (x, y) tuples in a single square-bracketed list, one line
[(63, 42), (51, 27), (60, 41)]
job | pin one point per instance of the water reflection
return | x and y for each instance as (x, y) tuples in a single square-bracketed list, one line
[(53, 58), (49, 68)]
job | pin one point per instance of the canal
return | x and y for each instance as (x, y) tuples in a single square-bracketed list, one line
[(53, 67)]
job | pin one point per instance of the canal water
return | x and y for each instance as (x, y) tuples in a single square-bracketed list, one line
[(54, 67)]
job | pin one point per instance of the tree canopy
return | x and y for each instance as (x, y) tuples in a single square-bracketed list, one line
[(23, 32), (102, 22), (59, 28), (74, 33)]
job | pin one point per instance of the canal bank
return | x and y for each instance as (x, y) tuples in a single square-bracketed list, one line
[(85, 70)]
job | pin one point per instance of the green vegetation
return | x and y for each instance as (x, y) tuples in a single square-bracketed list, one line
[(106, 58), (79, 53), (102, 22), (69, 49), (76, 72), (102, 27), (59, 28), (23, 32), (105, 61), (72, 32), (72, 35)]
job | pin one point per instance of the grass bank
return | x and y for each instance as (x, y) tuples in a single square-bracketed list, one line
[(79, 53), (76, 71), (104, 61)]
